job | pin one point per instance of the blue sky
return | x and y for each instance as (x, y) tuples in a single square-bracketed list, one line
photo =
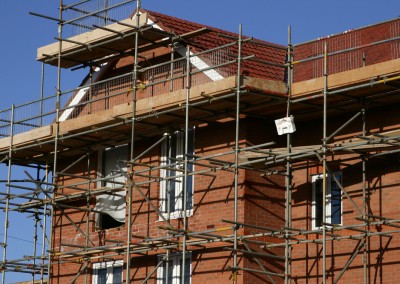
[(21, 34)]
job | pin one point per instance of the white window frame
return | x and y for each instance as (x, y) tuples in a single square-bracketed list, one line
[(328, 205), (179, 149), (176, 259), (109, 265), (101, 174)]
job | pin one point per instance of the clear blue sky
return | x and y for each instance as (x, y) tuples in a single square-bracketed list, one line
[(21, 34)]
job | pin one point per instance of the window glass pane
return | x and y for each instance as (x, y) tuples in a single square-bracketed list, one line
[(189, 180), (171, 191), (173, 150), (174, 270), (318, 202), (336, 196), (187, 270), (117, 275), (102, 276), (180, 151), (172, 173), (170, 269)]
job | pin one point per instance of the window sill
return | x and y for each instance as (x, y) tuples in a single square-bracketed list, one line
[(328, 228), (176, 215)]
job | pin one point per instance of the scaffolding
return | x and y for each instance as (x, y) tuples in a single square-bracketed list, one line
[(39, 194)]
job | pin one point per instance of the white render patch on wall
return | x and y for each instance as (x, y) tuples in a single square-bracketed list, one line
[(200, 64), (76, 100)]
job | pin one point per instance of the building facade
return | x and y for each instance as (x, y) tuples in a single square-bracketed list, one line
[(195, 155)]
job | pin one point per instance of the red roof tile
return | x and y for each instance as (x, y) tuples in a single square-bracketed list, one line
[(262, 50)]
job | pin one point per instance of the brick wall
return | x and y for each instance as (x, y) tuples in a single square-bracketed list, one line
[(261, 202), (360, 51), (382, 186)]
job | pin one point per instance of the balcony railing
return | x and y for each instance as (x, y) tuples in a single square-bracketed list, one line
[(86, 15), (159, 79)]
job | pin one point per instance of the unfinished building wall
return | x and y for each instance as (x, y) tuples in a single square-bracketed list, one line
[(380, 199), (261, 240), (261, 201), (360, 46)]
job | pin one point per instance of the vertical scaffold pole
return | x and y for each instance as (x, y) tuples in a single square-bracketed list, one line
[(365, 198), (37, 220), (41, 95), (288, 211), (105, 12), (7, 205), (185, 176), (57, 121), (236, 215), (132, 148), (44, 239), (171, 75), (89, 181), (324, 145)]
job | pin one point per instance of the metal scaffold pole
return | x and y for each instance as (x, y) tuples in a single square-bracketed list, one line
[(186, 172), (131, 185), (87, 232), (41, 95), (288, 180), (324, 164), (236, 162), (36, 222), (57, 126), (44, 236), (365, 201), (6, 210)]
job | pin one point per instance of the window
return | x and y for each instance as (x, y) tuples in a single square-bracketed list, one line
[(170, 272), (107, 272), (172, 184), (333, 200), (112, 205)]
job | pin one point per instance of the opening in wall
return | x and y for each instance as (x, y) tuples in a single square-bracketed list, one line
[(172, 174), (171, 269), (112, 205), (108, 272), (333, 200)]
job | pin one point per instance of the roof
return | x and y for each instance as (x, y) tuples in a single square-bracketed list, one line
[(262, 50), (266, 62)]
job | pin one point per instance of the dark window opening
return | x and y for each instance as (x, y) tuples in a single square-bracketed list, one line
[(108, 222)]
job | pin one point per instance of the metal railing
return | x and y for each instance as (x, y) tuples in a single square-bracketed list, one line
[(84, 16), (347, 51), (207, 66)]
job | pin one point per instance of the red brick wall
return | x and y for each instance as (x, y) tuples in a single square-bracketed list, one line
[(382, 185), (264, 207), (261, 202), (360, 51)]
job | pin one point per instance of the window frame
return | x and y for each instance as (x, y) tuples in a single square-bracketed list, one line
[(173, 148), (331, 184), (176, 260), (109, 266)]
